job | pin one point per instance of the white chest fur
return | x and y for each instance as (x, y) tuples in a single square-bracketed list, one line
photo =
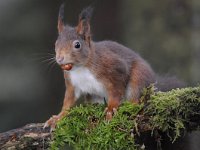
[(85, 82)]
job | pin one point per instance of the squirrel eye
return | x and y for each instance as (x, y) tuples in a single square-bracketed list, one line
[(77, 44)]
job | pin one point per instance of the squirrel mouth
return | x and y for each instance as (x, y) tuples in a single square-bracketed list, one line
[(67, 66)]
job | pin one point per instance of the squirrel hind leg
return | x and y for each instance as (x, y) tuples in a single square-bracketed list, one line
[(133, 90), (132, 94), (141, 76)]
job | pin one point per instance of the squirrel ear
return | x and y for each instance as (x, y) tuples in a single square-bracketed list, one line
[(61, 19), (83, 27)]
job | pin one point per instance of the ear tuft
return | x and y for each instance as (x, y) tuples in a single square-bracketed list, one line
[(86, 14), (61, 12), (61, 18), (83, 27)]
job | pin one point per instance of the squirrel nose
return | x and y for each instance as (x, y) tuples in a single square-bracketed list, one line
[(60, 59)]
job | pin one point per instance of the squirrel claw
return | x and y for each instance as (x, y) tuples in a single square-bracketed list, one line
[(110, 113), (51, 123), (45, 125)]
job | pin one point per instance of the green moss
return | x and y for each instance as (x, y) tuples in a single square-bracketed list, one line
[(86, 128), (170, 112)]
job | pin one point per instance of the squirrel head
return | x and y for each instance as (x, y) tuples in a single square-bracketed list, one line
[(73, 43)]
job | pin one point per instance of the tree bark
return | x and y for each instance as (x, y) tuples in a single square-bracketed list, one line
[(31, 137)]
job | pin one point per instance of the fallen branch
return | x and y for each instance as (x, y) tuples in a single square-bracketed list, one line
[(31, 136)]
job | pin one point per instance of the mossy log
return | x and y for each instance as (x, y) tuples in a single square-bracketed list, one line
[(159, 115)]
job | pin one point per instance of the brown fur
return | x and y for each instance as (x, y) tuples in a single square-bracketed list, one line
[(113, 64)]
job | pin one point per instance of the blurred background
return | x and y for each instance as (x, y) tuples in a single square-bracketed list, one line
[(166, 33)]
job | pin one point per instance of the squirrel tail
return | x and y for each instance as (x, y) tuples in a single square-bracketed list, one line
[(168, 83)]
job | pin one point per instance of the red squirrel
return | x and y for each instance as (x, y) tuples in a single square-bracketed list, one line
[(106, 69)]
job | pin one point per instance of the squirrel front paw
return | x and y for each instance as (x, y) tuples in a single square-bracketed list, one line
[(52, 122), (54, 119), (110, 113)]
